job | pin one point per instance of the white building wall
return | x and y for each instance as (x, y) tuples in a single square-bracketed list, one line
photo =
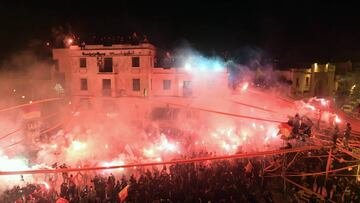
[(121, 77), (151, 79)]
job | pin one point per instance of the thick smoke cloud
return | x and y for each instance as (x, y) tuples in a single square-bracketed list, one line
[(25, 76), (118, 131)]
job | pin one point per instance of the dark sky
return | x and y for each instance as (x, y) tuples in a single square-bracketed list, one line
[(294, 32)]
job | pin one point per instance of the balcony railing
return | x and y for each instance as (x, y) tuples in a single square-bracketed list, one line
[(107, 70)]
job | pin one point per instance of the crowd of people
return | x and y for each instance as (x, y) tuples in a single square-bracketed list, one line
[(239, 180), (301, 128), (296, 128), (216, 181), (343, 186)]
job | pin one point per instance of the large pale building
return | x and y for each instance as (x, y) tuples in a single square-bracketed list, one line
[(125, 70), (109, 71)]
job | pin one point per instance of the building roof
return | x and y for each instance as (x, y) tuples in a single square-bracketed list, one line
[(113, 46)]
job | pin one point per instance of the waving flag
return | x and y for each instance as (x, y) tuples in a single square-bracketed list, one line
[(123, 193)]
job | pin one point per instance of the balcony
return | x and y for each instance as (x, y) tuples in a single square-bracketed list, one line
[(107, 71)]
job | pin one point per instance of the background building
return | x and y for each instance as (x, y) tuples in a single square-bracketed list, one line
[(319, 81)]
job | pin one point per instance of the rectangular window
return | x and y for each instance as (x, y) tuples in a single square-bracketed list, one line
[(136, 62), (82, 62), (297, 82), (166, 84), (187, 91), (106, 87), (107, 66), (136, 84), (187, 84), (83, 84), (307, 81)]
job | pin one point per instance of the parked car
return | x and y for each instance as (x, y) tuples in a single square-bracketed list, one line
[(347, 108)]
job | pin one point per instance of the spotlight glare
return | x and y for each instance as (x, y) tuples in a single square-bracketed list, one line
[(187, 66), (217, 67)]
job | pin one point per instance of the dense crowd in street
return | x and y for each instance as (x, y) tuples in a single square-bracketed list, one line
[(220, 181), (243, 180), (340, 187), (240, 180)]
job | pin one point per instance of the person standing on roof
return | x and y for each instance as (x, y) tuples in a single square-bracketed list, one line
[(347, 134), (296, 122)]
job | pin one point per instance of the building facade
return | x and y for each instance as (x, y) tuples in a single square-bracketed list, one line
[(120, 70), (319, 81), (110, 71)]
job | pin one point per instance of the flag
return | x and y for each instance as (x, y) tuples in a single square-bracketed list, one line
[(62, 200), (249, 167), (123, 193), (284, 130)]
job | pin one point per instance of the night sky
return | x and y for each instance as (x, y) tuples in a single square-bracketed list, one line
[(294, 32)]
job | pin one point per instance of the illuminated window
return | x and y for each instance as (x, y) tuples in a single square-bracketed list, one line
[(136, 84), (82, 62), (83, 84), (135, 62), (315, 67), (187, 91), (166, 84)]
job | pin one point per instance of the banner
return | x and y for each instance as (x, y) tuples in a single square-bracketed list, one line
[(123, 193), (249, 167)]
